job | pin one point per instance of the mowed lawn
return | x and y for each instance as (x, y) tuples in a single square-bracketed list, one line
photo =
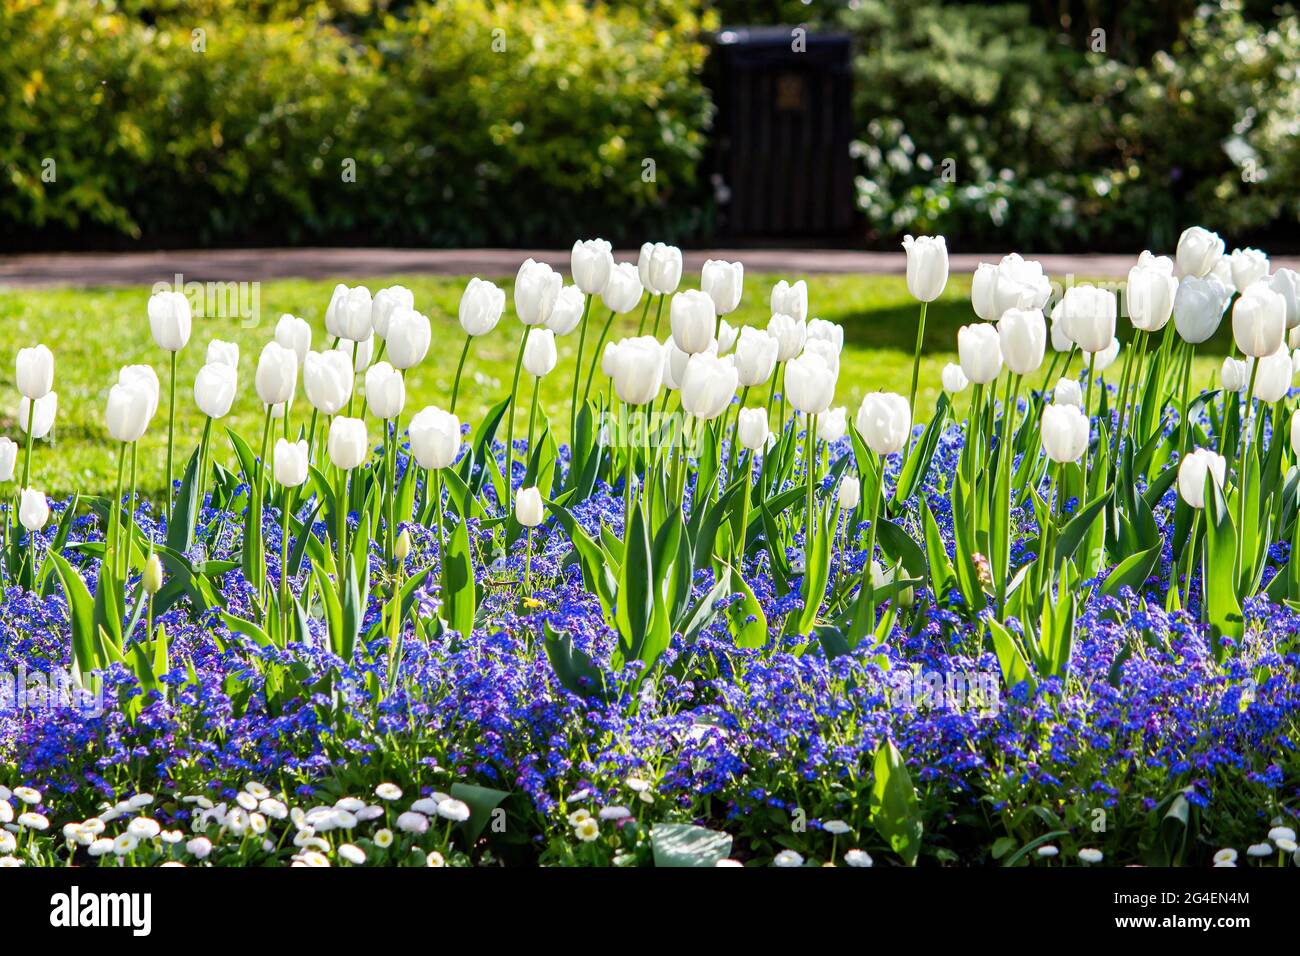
[(95, 332)]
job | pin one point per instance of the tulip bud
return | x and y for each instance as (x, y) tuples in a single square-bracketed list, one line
[(277, 373), (638, 369), (1022, 336), (435, 438), (127, 415), (590, 263), (540, 355), (38, 417), (954, 379), (1235, 374), (1150, 292), (294, 333), (169, 320), (222, 353), (790, 334), (34, 371), (884, 421), (723, 282), (8, 458), (660, 268), (385, 390), (1198, 308), (791, 300), (833, 425), (756, 353), (528, 507), (409, 335), (152, 576), (481, 306), (214, 389), (979, 352), (1068, 392), (1273, 380), (1065, 432), (1199, 250), (927, 266), (608, 359), (569, 306), (1090, 314), (348, 445), (385, 304), (33, 510), (291, 462), (327, 378), (727, 335), (809, 384), (708, 386), (1061, 339), (751, 428), (1259, 320), (349, 314), (849, 492), (691, 316), (537, 286), (1192, 472), (622, 292), (402, 549), (1248, 267), (1014, 283), (1286, 283)]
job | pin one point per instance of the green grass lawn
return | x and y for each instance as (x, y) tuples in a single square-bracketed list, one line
[(94, 332)]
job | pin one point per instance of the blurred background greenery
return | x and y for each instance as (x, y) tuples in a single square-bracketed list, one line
[(1065, 124)]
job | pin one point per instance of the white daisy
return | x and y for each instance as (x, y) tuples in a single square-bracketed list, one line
[(454, 810), (1226, 855), (836, 827), (615, 813), (1259, 849), (412, 822), (587, 830), (33, 821), (28, 795), (383, 838), (353, 854), (858, 858), (388, 791), (1090, 855), (788, 858)]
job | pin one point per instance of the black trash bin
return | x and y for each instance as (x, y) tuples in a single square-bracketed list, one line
[(780, 164)]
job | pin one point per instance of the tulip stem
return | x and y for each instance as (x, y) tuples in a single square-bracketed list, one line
[(436, 479), (577, 372), (1191, 558), (1087, 411), (115, 522), (200, 475), (510, 425), (1122, 398), (1244, 443), (341, 524), (284, 570), (460, 367), (27, 453), (916, 371), (771, 392), (130, 516), (528, 565), (645, 310), (591, 370), (866, 621), (659, 311), (1185, 426), (532, 419), (735, 432), (747, 462), (171, 439), (627, 491), (810, 466)]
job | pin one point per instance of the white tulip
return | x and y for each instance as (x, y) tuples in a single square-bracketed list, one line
[(569, 305), (1150, 292), (1286, 283), (481, 305), (385, 390), (147, 378), (409, 335), (360, 353), (1106, 357), (1090, 312), (638, 369), (756, 353), (1259, 320), (169, 320), (675, 363), (826, 331), (833, 425), (849, 492), (691, 317), (348, 315), (791, 300), (1248, 267), (435, 438), (222, 353), (727, 334), (38, 417), (723, 282), (1022, 335), (34, 371), (980, 353), (294, 333), (1014, 283), (590, 262), (540, 355), (1235, 374), (1068, 392), (927, 266), (609, 359), (1192, 472), (291, 462), (790, 334), (348, 444), (1065, 432), (830, 355), (277, 374), (8, 458), (622, 293), (809, 384), (1198, 307), (708, 386), (954, 380), (1223, 272), (327, 378), (751, 428), (537, 286), (1060, 330), (214, 389), (385, 303), (884, 420), (528, 507), (1199, 250), (660, 268), (33, 509), (1273, 380)]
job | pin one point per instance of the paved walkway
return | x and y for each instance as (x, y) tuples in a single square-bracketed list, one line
[(38, 270)]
